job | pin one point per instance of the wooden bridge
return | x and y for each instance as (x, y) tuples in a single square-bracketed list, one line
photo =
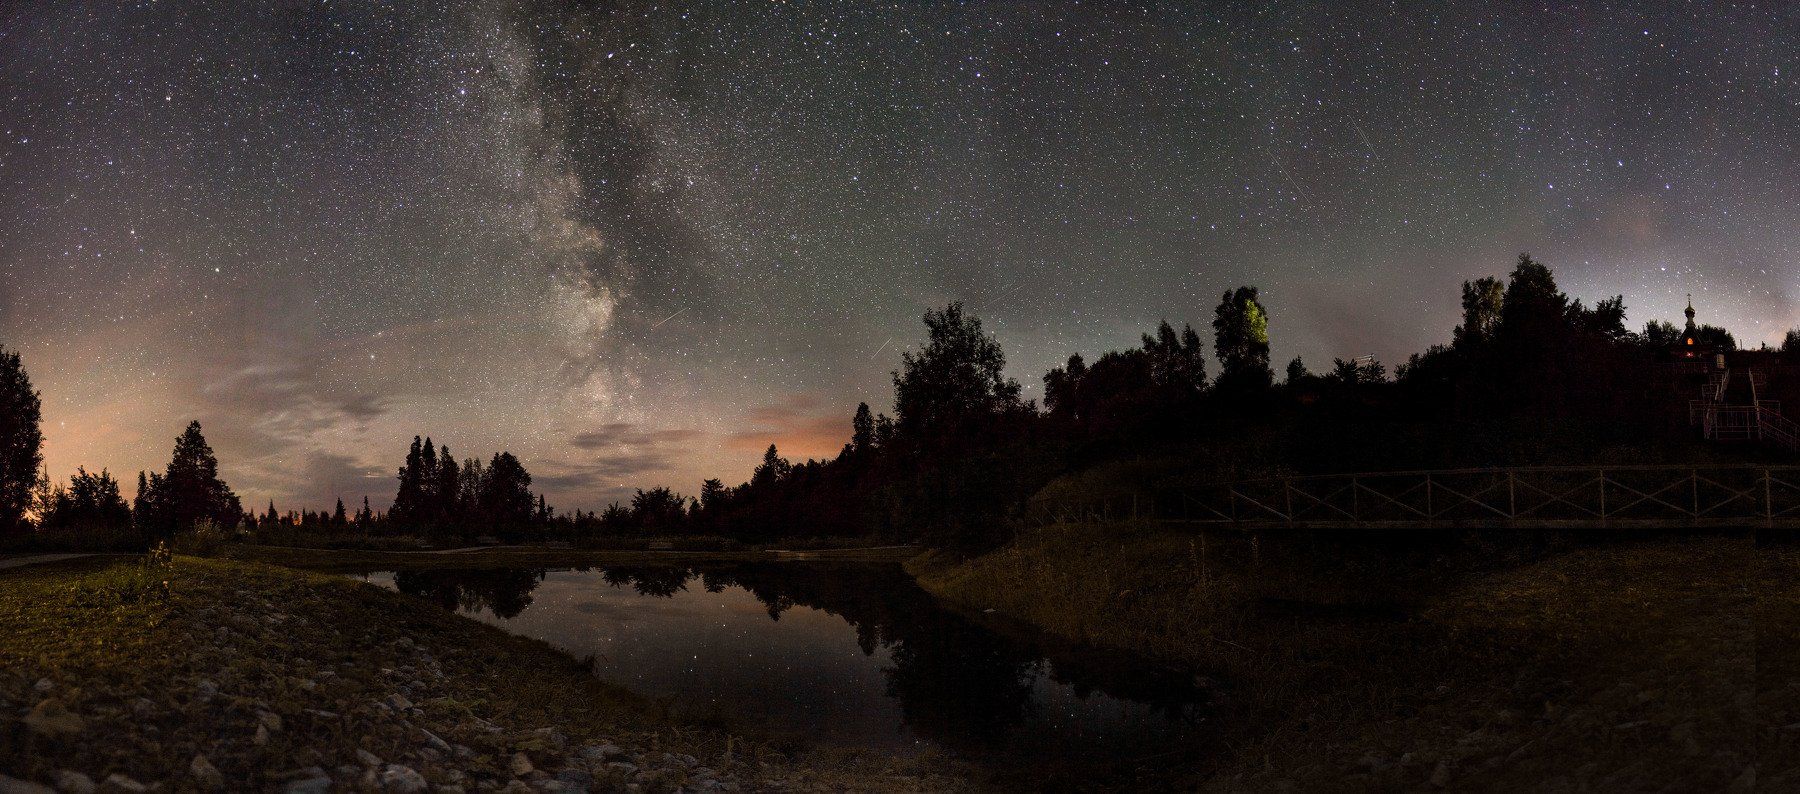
[(1524, 497)]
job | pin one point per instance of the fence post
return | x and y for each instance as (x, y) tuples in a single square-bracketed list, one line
[(1287, 491), (1512, 498), (1603, 496), (1695, 480), (1355, 499), (1429, 512), (1768, 500)]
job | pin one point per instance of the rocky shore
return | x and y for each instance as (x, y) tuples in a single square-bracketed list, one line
[(245, 677)]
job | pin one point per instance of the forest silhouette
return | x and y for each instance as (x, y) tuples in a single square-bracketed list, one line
[(1530, 376)]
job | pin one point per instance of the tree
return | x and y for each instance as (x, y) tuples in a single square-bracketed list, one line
[(446, 489), (410, 506), (1534, 313), (1482, 302), (773, 469), (956, 377), (506, 492), (339, 518), (1062, 387), (1790, 345), (91, 501), (1661, 334), (21, 441), (862, 429), (658, 510), (712, 494), (1178, 364), (1716, 337), (1241, 341), (189, 492), (1296, 372), (1606, 320)]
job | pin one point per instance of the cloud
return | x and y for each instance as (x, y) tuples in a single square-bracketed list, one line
[(799, 425), (618, 457)]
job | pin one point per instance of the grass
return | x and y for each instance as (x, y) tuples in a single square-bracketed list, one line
[(173, 657), (1484, 662)]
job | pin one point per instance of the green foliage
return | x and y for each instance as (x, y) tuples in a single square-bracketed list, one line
[(1241, 341)]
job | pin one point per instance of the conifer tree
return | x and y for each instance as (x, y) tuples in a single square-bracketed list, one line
[(21, 441)]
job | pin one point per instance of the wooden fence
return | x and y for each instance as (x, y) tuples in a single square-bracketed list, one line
[(1547, 497)]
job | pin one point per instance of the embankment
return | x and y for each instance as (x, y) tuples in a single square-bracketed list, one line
[(1436, 660)]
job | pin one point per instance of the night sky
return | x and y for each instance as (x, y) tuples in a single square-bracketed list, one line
[(635, 244)]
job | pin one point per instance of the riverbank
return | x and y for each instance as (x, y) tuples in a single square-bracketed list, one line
[(1525, 663), (359, 560), (216, 674)]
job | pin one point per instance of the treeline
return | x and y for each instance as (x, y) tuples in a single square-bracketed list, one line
[(1529, 376)]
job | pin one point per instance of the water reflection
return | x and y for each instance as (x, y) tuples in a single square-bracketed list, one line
[(956, 682)]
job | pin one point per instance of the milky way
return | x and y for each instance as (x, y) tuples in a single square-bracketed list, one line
[(636, 243)]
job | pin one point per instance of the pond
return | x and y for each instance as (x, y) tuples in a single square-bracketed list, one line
[(840, 654)]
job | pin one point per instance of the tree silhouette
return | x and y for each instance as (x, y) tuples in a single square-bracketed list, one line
[(91, 501), (189, 492), (1241, 341), (506, 496), (957, 376), (862, 429), (1296, 372), (1482, 301), (21, 441)]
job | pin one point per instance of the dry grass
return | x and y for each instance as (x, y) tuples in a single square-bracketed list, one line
[(1627, 666)]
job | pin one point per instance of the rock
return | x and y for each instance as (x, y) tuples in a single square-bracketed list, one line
[(13, 785), (521, 765), (143, 708), (398, 702), (576, 777), (603, 752), (367, 758), (269, 719), (432, 741), (43, 686), (403, 779), (262, 736), (311, 785), (622, 768), (118, 782), (51, 718), (73, 782), (1440, 776), (205, 690), (205, 774), (1746, 780)]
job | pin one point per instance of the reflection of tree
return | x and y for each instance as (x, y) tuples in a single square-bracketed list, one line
[(662, 581), (963, 685), (507, 592)]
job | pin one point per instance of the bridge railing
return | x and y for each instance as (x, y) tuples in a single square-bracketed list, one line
[(1610, 496)]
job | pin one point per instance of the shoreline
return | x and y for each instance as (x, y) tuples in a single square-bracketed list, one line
[(357, 560), (251, 676), (1611, 666)]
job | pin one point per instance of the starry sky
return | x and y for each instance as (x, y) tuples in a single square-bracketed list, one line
[(635, 243)]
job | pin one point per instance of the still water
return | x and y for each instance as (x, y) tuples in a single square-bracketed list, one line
[(836, 654)]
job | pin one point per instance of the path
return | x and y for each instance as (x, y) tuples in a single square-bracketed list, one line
[(33, 559)]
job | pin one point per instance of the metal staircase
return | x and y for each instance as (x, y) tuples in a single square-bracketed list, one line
[(1754, 419)]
